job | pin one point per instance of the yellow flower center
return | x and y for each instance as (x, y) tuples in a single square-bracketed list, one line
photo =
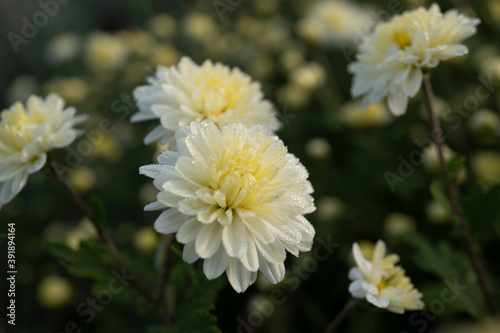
[(241, 175), (402, 39), (16, 128), (381, 285), (237, 178), (216, 97)]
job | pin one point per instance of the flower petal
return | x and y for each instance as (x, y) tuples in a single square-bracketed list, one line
[(171, 221), (208, 240), (234, 238), (214, 266), (239, 277), (274, 273)]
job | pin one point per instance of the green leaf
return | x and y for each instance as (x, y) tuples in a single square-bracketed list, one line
[(94, 261), (455, 167), (439, 195), (482, 208), (449, 265), (197, 296), (99, 210), (91, 260)]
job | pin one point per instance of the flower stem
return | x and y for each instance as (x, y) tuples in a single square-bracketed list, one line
[(437, 135), (341, 316), (103, 235), (166, 260)]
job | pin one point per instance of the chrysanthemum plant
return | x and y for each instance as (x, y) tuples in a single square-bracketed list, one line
[(229, 193), (395, 62), (230, 198)]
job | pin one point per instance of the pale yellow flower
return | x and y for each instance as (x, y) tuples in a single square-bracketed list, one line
[(83, 231), (335, 23), (163, 26), (199, 26), (73, 90), (293, 96), (374, 115), (181, 94), (164, 55), (138, 42), (318, 148), (381, 282), (82, 179), (436, 213), (431, 157), (54, 291), (145, 239), (105, 52), (397, 223), (484, 122), (235, 198), (391, 60), (308, 76), (27, 134), (291, 58), (329, 208), (486, 167), (62, 48)]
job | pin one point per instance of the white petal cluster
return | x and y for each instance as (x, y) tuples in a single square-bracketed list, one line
[(235, 198), (381, 282), (178, 95), (27, 134), (391, 60)]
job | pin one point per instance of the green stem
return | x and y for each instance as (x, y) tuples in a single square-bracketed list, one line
[(341, 316), (437, 135), (103, 235), (168, 242)]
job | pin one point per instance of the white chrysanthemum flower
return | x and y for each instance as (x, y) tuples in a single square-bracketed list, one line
[(235, 198), (381, 282), (179, 95), (391, 60), (335, 23), (26, 134)]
